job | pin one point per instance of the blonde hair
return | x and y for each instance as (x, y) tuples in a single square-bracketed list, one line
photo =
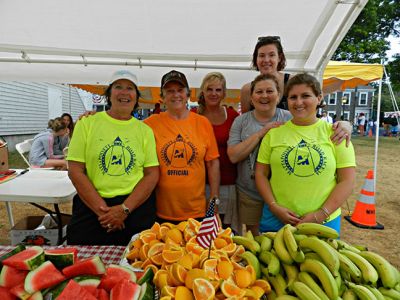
[(210, 77)]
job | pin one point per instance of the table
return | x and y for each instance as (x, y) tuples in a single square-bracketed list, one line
[(108, 254), (39, 186)]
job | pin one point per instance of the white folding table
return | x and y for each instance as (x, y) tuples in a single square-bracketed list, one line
[(39, 187)]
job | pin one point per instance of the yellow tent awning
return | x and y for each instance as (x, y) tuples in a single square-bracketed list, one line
[(339, 75)]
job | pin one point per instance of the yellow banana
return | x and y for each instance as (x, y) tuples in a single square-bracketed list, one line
[(348, 267), (249, 235), (391, 293), (307, 279), (299, 237), (333, 243), (286, 297), (378, 295), (272, 262), (368, 272), (272, 295), (318, 230), (324, 276), (265, 242), (303, 291), (313, 255), (291, 272), (270, 235), (250, 245), (291, 244), (253, 261), (278, 283), (280, 248), (326, 252), (387, 273), (343, 245), (349, 295), (361, 291)]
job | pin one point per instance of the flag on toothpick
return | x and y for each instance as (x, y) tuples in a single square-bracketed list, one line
[(208, 228)]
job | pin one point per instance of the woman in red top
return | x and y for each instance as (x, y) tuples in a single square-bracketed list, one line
[(213, 91)]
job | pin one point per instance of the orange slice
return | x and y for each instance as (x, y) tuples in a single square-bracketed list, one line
[(231, 290), (263, 284), (155, 228), (183, 293), (171, 256), (224, 269), (160, 278), (243, 278), (137, 244), (133, 254), (230, 249), (179, 272), (175, 235), (220, 243), (186, 261), (157, 259), (168, 291), (210, 267), (192, 275), (203, 289), (143, 252), (182, 225), (155, 249), (148, 237)]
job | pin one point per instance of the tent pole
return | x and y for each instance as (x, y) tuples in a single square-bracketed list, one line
[(378, 113)]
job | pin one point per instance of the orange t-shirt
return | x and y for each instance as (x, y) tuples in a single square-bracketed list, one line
[(183, 146)]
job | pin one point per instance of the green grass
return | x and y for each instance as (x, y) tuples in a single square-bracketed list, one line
[(15, 161)]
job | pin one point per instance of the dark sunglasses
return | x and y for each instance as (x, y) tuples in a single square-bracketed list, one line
[(272, 38)]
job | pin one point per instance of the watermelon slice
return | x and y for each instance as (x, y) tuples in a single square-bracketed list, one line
[(20, 292), (146, 276), (62, 257), (28, 259), (6, 295), (53, 292), (146, 291), (90, 266), (125, 290), (115, 274), (10, 277), (74, 291), (17, 249), (90, 283), (102, 294), (36, 296), (43, 277)]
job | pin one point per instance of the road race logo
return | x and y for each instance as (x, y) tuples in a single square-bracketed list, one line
[(304, 160), (116, 159), (178, 154)]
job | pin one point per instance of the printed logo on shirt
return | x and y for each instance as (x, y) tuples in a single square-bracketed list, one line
[(116, 159), (178, 154), (304, 160)]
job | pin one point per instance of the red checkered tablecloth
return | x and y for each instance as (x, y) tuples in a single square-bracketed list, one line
[(109, 254)]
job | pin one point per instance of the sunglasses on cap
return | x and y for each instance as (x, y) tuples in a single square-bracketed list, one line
[(272, 38), (174, 76)]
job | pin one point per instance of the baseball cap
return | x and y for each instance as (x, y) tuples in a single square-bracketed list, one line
[(123, 74), (174, 76)]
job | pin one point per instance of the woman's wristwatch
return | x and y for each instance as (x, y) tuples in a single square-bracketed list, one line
[(125, 209)]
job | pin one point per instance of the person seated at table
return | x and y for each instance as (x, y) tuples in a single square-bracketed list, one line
[(301, 174), (42, 153), (187, 151), (114, 167)]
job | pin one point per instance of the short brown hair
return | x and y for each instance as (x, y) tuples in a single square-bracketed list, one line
[(308, 80)]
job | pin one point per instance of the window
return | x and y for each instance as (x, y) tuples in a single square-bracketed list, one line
[(347, 95), (363, 100), (346, 116), (332, 99), (331, 113)]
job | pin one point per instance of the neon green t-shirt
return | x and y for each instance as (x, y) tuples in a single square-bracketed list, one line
[(303, 162), (114, 152)]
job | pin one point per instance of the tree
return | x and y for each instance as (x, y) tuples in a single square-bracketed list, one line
[(393, 68), (366, 40)]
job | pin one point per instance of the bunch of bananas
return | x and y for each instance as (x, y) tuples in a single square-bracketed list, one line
[(308, 262)]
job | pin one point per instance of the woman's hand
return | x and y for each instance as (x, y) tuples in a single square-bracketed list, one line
[(87, 114), (313, 217), (112, 218), (284, 214), (263, 131), (342, 131)]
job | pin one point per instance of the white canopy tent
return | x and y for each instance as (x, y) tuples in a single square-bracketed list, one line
[(84, 41)]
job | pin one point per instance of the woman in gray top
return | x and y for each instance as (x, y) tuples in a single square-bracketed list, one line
[(42, 154), (245, 136)]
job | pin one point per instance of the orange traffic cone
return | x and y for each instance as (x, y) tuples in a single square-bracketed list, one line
[(364, 213), (370, 132)]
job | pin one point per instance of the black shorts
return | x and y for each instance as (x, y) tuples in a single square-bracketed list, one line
[(85, 229)]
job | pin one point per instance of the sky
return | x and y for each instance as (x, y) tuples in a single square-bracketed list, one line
[(395, 46)]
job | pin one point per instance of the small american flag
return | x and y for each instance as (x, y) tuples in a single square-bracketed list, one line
[(208, 228)]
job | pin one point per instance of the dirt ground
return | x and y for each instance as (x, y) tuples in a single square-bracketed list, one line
[(384, 242)]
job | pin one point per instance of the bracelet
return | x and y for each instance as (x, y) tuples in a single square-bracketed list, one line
[(273, 202), (325, 211), (315, 218)]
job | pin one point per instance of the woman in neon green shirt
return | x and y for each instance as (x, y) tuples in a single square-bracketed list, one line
[(301, 175)]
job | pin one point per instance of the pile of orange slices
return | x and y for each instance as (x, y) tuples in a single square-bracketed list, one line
[(185, 270)]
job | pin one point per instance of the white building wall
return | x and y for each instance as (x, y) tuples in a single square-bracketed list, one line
[(24, 108)]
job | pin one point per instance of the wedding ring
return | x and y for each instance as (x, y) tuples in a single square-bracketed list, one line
[(109, 226)]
